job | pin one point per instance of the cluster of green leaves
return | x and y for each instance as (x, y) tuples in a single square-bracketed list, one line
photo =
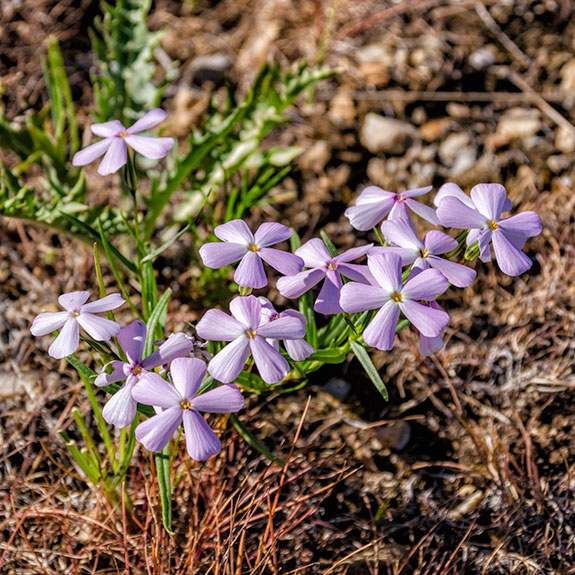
[(124, 83)]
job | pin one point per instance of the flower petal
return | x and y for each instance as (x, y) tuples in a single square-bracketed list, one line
[(510, 260), (201, 441), (222, 399), (247, 310), (285, 327), (294, 286), (454, 190), (187, 374), (132, 339), (115, 158), (437, 242), (271, 233), (314, 253), (154, 433), (525, 224), (99, 328), (117, 374), (327, 301), (152, 118), (219, 326), (429, 321), (107, 303), (386, 269), (357, 297), (373, 195), (151, 389), (91, 153), (423, 211), (400, 232), (357, 273), (298, 349), (429, 345), (48, 322), (73, 301), (452, 213), (284, 262), (67, 341), (228, 363), (400, 210), (153, 148), (177, 345), (407, 255), (235, 231), (218, 254), (250, 272), (272, 366), (120, 409), (353, 254), (416, 192), (380, 333), (457, 274), (107, 129), (424, 286), (489, 200), (365, 216)]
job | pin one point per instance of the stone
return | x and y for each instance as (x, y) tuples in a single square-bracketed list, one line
[(565, 139), (210, 68), (388, 135), (519, 123)]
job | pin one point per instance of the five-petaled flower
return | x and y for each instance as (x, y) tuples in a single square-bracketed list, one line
[(78, 314), (180, 402), (121, 407), (116, 140), (482, 215), (240, 244), (374, 204), (424, 254), (246, 332), (389, 294), (321, 265)]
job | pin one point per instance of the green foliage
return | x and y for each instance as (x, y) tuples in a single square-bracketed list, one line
[(124, 85)]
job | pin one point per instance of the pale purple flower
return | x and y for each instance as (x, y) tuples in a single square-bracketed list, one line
[(116, 140), (321, 265), (245, 331), (297, 349), (392, 297), (78, 314), (481, 214), (180, 402), (424, 254), (240, 244), (121, 407), (374, 204)]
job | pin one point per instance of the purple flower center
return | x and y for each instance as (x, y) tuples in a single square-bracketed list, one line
[(251, 333), (253, 248), (396, 297), (332, 265), (492, 225), (185, 404)]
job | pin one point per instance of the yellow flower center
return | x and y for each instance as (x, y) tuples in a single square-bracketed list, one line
[(251, 333), (332, 266), (253, 248), (396, 297), (137, 369), (423, 253), (123, 134), (492, 225), (75, 314), (275, 316), (185, 404)]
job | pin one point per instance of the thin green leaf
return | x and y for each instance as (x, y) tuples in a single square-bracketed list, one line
[(252, 441), (365, 360)]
